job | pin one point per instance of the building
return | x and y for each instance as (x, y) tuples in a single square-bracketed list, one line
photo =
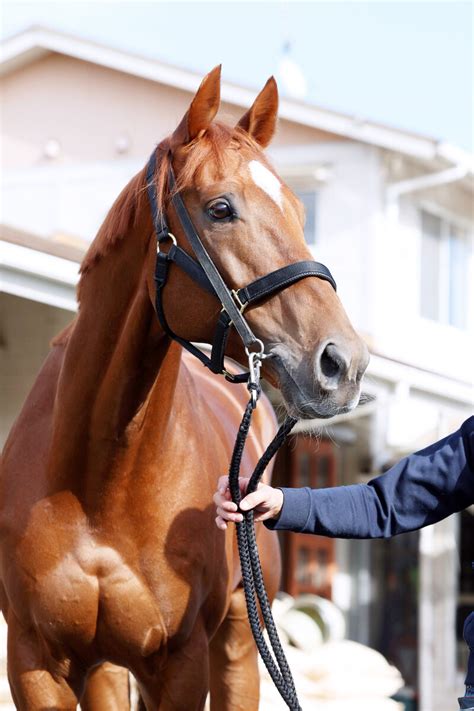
[(389, 211)]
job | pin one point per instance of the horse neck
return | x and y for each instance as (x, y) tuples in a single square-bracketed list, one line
[(113, 362)]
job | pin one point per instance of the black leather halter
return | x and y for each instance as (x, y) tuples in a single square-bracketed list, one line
[(205, 273)]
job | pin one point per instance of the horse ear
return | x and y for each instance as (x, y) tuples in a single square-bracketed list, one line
[(202, 110), (260, 119)]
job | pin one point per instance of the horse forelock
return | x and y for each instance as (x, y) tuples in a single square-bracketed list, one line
[(212, 151)]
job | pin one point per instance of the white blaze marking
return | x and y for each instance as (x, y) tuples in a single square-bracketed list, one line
[(265, 179)]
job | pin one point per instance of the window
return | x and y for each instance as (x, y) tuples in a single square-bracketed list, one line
[(313, 567), (304, 469), (430, 266), (445, 250), (458, 272), (324, 472), (308, 198)]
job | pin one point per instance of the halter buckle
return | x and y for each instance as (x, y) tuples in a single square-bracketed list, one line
[(241, 306)]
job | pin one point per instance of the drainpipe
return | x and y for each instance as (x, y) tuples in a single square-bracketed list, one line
[(421, 182)]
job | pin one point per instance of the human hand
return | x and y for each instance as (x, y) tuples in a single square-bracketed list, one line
[(266, 501)]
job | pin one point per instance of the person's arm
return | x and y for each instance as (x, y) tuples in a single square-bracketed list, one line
[(468, 633), (421, 489)]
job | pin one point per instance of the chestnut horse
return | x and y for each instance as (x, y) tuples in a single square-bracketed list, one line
[(110, 556)]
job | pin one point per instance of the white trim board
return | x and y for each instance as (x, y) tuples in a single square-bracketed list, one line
[(38, 276), (35, 42)]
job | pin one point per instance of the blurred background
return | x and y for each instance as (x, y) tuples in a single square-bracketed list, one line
[(376, 137)]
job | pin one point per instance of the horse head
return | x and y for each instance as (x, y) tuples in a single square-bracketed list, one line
[(251, 223)]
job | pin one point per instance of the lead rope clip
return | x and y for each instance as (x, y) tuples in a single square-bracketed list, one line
[(255, 364)]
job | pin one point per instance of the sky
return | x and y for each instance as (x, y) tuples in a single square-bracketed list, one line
[(405, 64)]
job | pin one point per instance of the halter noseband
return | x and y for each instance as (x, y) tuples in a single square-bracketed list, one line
[(206, 275)]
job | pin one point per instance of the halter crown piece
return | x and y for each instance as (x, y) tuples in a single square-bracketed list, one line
[(234, 301)]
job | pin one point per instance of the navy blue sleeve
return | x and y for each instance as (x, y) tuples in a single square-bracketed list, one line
[(468, 633), (421, 489)]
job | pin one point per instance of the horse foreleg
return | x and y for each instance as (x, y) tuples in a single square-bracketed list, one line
[(182, 682), (107, 689), (33, 686), (235, 683)]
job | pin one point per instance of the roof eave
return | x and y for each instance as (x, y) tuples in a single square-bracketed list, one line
[(37, 41)]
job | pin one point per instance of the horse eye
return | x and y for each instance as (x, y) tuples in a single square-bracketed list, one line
[(219, 210)]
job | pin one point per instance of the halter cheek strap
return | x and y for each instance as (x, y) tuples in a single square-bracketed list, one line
[(205, 273)]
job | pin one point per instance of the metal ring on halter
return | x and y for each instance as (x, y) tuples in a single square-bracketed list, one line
[(170, 236), (227, 374), (260, 353)]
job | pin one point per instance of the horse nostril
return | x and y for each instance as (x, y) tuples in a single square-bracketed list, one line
[(332, 366)]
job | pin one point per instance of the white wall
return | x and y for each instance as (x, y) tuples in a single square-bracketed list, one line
[(375, 255), (26, 329), (347, 202), (399, 330), (67, 202)]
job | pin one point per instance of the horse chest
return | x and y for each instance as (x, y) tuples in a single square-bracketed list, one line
[(88, 595)]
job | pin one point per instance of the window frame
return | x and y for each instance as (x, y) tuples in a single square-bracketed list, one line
[(448, 221), (307, 184)]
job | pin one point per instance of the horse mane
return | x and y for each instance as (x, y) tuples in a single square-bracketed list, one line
[(128, 206)]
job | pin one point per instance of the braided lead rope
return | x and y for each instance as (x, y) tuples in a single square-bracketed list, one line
[(265, 606), (252, 576), (247, 577), (246, 564), (257, 631)]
